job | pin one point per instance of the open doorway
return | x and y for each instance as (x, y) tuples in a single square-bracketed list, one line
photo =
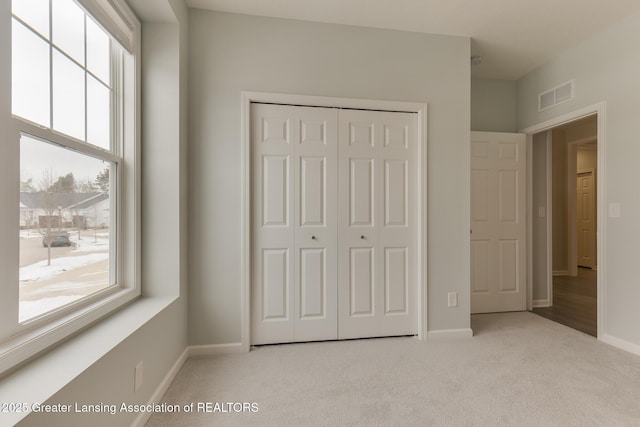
[(565, 193)]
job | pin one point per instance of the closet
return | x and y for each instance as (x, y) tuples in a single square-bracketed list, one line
[(333, 223)]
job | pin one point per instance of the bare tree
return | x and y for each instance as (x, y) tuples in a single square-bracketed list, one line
[(85, 186), (91, 215), (50, 202)]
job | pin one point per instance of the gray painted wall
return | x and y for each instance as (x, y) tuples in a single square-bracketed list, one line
[(587, 159), (110, 379), (493, 105), (232, 53), (606, 68)]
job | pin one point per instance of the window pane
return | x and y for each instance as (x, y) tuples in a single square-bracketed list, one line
[(65, 236), (98, 54), (68, 96), (68, 28), (35, 13), (30, 75), (98, 113)]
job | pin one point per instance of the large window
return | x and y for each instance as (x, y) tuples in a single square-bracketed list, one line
[(73, 110), (64, 70)]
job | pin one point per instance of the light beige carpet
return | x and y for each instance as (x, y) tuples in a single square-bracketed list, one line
[(518, 370)]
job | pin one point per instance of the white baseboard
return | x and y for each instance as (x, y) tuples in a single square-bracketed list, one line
[(444, 334), (156, 397), (537, 303), (621, 344), (194, 350), (560, 273), (208, 350)]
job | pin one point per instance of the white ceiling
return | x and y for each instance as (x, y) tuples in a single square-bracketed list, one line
[(513, 36)]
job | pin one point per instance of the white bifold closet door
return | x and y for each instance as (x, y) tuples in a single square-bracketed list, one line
[(333, 228), (294, 240), (377, 224)]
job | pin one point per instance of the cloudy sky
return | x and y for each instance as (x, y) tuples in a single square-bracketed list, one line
[(37, 158)]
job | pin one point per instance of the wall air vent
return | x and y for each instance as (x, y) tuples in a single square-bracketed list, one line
[(559, 94)]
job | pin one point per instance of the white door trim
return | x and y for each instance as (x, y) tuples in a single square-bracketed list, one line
[(549, 218), (321, 101), (531, 214), (600, 110)]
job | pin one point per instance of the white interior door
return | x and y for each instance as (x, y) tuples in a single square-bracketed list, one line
[(294, 236), (498, 227), (377, 224), (586, 220)]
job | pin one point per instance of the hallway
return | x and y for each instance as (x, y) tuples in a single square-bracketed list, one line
[(574, 301)]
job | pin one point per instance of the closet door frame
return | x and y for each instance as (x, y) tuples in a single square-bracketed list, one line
[(320, 101)]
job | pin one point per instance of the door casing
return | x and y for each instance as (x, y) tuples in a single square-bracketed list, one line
[(320, 101), (598, 109)]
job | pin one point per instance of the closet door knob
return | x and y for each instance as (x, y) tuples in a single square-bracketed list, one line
[(313, 237), (362, 237)]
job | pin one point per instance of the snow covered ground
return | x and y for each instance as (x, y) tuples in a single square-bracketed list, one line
[(89, 244), (42, 271), (29, 234), (77, 273)]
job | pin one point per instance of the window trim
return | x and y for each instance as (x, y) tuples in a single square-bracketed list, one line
[(20, 342)]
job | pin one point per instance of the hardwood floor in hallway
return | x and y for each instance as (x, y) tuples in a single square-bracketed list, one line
[(574, 302)]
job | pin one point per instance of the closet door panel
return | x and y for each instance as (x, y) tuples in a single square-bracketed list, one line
[(273, 133), (377, 217), (316, 304), (359, 191), (398, 232)]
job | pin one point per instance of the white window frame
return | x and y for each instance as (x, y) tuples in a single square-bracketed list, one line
[(21, 341)]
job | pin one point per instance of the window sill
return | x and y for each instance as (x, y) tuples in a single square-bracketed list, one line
[(65, 362)]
